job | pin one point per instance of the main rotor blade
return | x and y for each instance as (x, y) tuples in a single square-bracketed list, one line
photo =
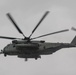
[(46, 13), (51, 34), (14, 23), (11, 38)]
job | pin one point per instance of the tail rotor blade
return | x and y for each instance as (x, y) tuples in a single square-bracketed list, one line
[(73, 28)]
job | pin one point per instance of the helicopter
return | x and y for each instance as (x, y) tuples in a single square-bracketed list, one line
[(27, 47)]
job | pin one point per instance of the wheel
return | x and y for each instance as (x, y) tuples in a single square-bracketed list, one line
[(5, 54), (26, 59), (36, 58)]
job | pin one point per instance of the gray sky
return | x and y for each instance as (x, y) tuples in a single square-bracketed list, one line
[(27, 13)]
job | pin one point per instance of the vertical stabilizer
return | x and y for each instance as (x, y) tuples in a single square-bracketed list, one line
[(74, 41)]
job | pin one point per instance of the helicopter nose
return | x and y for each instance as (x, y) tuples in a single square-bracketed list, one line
[(4, 52)]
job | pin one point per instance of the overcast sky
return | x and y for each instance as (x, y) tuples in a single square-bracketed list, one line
[(27, 14)]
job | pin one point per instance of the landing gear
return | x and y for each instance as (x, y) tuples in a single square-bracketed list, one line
[(5, 54), (26, 59), (37, 57)]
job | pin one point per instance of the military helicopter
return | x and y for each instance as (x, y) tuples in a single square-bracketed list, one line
[(27, 47)]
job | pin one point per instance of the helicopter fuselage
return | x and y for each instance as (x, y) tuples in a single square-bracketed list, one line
[(33, 49)]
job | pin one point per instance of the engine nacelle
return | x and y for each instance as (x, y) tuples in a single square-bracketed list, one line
[(18, 41)]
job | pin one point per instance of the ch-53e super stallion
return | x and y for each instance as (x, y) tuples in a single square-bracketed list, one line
[(27, 47)]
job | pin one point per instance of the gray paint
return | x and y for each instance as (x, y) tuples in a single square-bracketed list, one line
[(27, 13)]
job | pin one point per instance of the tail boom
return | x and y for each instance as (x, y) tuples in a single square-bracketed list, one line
[(74, 41)]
